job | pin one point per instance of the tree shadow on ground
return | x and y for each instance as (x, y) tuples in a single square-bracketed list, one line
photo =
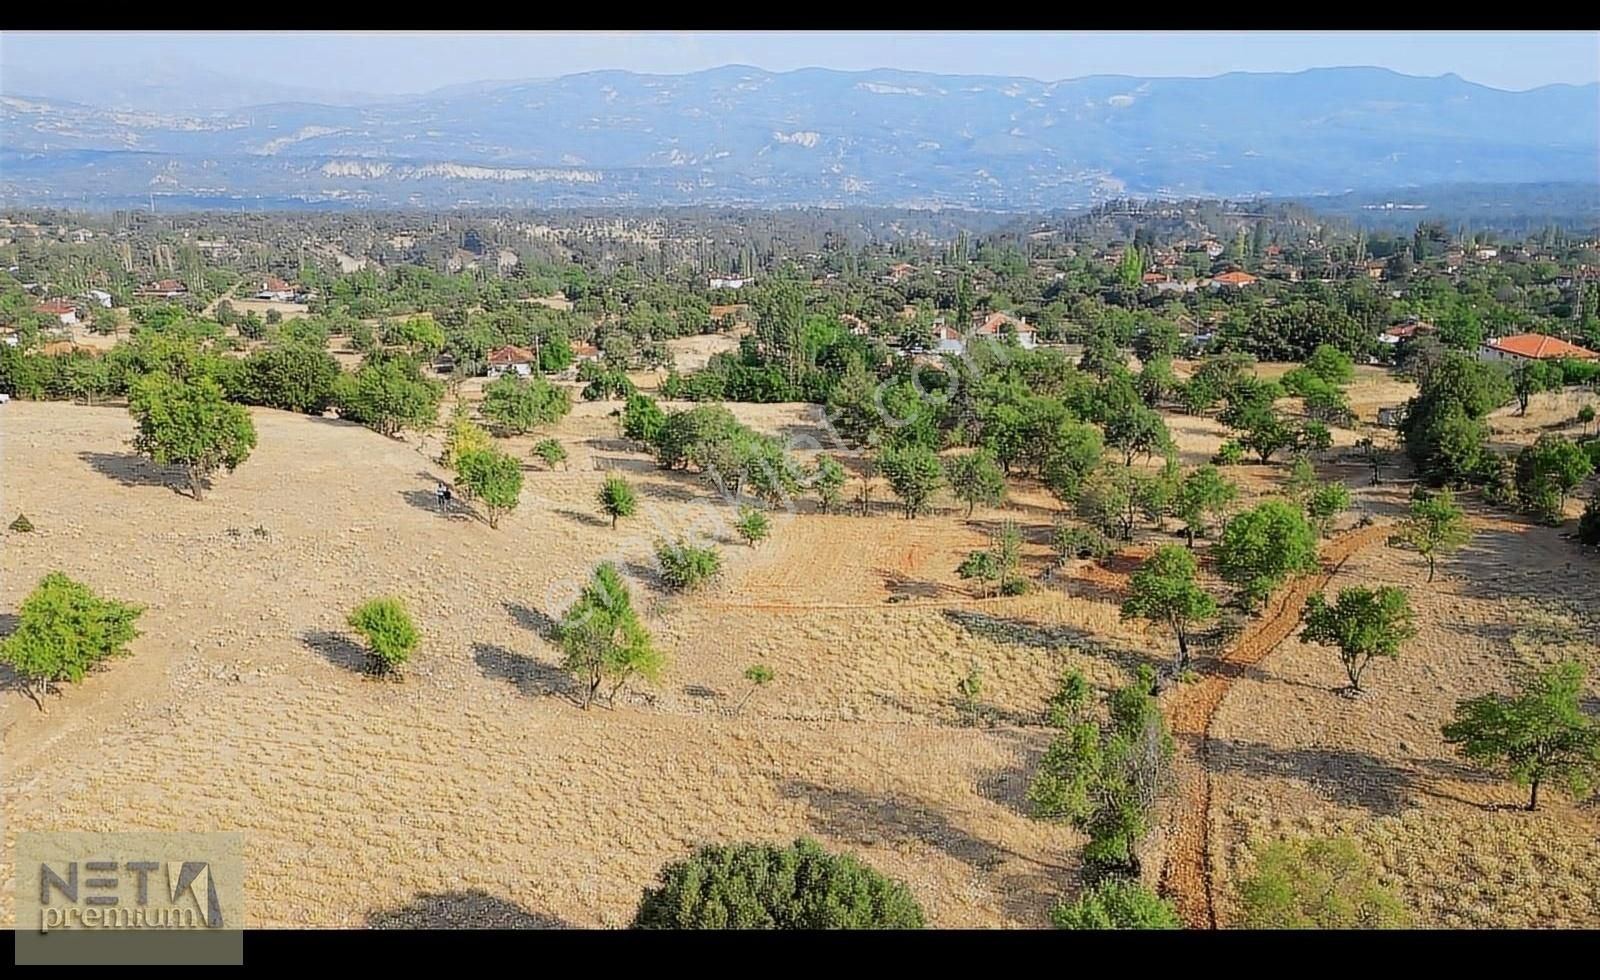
[(647, 575), (587, 520), (8, 624), (338, 649), (901, 584), (606, 463), (615, 445), (532, 619), (1049, 636), (1252, 672), (471, 909), (531, 677), (136, 471), (1348, 777), (1008, 785), (858, 818), (669, 491), (425, 500)]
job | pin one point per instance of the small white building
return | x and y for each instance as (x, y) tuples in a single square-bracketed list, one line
[(513, 359), (99, 296), (61, 310), (728, 282)]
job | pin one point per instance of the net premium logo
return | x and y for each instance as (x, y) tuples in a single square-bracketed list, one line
[(132, 895)]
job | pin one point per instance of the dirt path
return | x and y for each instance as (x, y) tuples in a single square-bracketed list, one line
[(211, 307), (1186, 877)]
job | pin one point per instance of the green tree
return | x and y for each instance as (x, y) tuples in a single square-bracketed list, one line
[(1263, 430), (602, 637), (975, 479), (1326, 503), (514, 404), (1317, 884), (763, 886), (1363, 624), (685, 567), (914, 474), (642, 419), (190, 424), (1528, 378), (1586, 416), (979, 565), (1072, 451), (551, 452), (1260, 548), (89, 378), (1137, 431), (1539, 734), (292, 377), (461, 436), (617, 498), (63, 631), (827, 479), (391, 636), (1164, 591), (1435, 525), (1204, 498), (493, 477), (388, 394), (1116, 903), (1104, 779), (1547, 472), (753, 525)]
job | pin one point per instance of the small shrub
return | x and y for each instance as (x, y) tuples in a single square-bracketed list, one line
[(1230, 453), (1116, 903), (1318, 884), (391, 637), (1070, 541), (685, 567), (753, 525), (550, 452)]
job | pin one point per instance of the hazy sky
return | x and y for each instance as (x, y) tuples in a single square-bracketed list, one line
[(398, 62)]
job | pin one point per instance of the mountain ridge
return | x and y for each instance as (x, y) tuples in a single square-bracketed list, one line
[(816, 136)]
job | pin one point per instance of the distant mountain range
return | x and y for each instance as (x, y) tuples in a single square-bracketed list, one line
[(743, 136)]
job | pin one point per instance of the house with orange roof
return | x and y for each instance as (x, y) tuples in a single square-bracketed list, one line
[(1532, 347), (1234, 280), (995, 325), (519, 360)]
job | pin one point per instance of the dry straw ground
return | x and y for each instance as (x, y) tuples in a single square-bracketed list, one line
[(476, 793)]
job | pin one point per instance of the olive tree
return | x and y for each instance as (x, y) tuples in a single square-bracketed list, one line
[(914, 474), (1317, 884), (1116, 903), (975, 478)]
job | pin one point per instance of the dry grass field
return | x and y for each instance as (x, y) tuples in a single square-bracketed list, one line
[(476, 792)]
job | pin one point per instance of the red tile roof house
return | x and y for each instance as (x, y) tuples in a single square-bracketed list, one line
[(585, 352), (1405, 331), (275, 289), (991, 327), (1532, 347), (511, 358), (167, 288), (1235, 280), (61, 310)]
